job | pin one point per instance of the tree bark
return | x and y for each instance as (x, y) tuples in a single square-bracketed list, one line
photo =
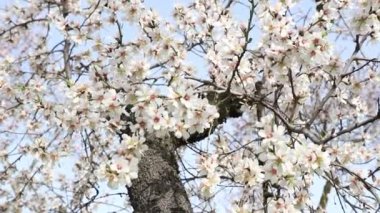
[(158, 188)]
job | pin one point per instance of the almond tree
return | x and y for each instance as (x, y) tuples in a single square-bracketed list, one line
[(177, 112)]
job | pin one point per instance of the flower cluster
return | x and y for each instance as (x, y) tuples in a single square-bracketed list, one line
[(282, 91)]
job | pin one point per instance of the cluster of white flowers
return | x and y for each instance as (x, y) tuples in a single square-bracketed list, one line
[(82, 92), (119, 172), (278, 160)]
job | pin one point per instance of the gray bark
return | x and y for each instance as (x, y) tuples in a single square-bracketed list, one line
[(159, 188)]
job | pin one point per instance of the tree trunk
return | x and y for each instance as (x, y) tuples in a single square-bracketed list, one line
[(158, 188)]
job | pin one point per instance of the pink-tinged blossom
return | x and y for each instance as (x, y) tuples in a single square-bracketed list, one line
[(249, 172), (119, 172)]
